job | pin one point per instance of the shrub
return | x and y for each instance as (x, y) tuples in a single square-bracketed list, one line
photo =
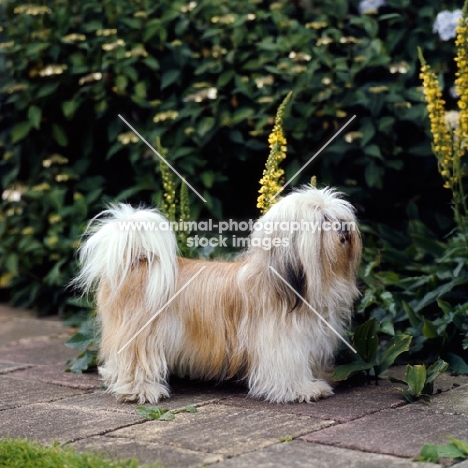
[(204, 77)]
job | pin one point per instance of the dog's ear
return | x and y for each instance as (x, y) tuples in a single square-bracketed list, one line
[(289, 276)]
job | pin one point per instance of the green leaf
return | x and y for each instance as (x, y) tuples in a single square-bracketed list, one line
[(20, 131), (444, 306), (11, 264), (167, 416), (438, 292), (442, 451), (427, 245), (388, 328), (373, 151), (131, 73), (416, 378), (127, 193), (140, 89), (373, 175), (398, 381), (59, 135), (225, 77), (457, 363), (207, 177), (424, 397), (121, 82), (69, 108), (414, 318), (190, 409), (366, 341), (429, 330), (345, 371), (460, 445), (34, 116), (152, 412), (169, 77), (428, 453), (397, 345), (242, 115), (389, 16), (47, 89), (151, 63), (83, 362), (205, 126), (406, 395), (432, 452), (449, 451), (435, 370), (368, 132), (36, 47), (80, 341)]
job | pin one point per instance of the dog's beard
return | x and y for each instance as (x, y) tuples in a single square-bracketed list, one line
[(254, 318)]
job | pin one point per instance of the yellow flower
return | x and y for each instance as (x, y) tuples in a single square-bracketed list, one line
[(168, 185), (5, 280), (272, 179), (461, 82), (442, 138), (450, 129)]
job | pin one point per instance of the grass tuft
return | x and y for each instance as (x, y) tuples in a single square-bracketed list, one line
[(22, 453)]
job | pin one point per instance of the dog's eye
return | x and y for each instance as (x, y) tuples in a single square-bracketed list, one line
[(345, 236), (344, 233)]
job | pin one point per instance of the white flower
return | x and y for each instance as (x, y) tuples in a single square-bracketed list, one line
[(451, 119), (370, 6), (12, 194), (453, 92), (446, 24)]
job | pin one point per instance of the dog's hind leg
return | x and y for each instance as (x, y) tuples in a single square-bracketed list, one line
[(134, 366), (133, 370)]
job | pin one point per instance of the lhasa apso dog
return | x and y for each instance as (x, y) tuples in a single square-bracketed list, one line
[(254, 319)]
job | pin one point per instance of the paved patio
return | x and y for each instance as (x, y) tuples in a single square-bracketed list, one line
[(367, 426)]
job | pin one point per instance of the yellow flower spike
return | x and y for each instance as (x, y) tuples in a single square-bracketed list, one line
[(272, 179), (450, 134), (461, 82), (168, 184)]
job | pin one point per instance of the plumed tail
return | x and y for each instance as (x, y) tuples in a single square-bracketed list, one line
[(120, 239)]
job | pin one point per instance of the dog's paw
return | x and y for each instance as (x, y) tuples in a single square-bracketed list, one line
[(301, 392), (139, 393), (127, 388), (148, 395), (314, 391)]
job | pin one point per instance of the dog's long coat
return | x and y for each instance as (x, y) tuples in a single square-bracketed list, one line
[(234, 319)]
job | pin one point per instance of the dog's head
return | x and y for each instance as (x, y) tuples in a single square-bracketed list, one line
[(315, 246)]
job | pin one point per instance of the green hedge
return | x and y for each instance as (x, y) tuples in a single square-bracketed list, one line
[(206, 77)]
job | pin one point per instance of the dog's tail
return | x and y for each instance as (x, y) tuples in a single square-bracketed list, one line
[(122, 238)]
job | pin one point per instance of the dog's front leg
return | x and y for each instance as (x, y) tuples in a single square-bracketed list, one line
[(281, 370)]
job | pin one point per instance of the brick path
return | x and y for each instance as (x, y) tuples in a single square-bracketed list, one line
[(369, 426)]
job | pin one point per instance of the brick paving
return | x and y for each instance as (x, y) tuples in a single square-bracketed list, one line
[(365, 426)]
